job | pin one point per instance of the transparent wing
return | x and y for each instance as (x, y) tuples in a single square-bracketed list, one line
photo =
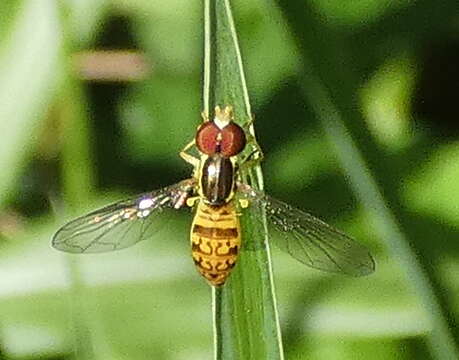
[(310, 240), (121, 224)]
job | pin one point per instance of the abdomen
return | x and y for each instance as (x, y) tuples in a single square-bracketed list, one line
[(215, 241)]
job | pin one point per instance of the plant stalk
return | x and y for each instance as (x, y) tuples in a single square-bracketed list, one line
[(246, 323)]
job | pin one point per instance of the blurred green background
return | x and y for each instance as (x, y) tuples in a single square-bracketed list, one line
[(81, 127)]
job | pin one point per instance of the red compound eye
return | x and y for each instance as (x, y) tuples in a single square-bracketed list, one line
[(233, 140), (207, 138)]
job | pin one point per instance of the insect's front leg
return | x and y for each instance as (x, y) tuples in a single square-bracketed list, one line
[(205, 116), (188, 157), (254, 157)]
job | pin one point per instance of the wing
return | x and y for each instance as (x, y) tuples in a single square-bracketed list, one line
[(310, 240), (122, 224)]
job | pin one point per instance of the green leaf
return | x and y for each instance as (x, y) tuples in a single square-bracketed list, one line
[(341, 126), (28, 63), (245, 315)]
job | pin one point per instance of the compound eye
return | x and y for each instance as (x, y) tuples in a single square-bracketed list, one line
[(208, 138), (233, 140)]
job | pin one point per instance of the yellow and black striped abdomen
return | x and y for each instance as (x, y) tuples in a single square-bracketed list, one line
[(215, 241)]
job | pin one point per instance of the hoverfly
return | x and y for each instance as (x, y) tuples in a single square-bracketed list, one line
[(217, 194)]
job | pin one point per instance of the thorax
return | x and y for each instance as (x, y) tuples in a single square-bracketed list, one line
[(216, 179)]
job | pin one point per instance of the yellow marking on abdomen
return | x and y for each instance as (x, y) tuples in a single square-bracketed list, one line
[(215, 241)]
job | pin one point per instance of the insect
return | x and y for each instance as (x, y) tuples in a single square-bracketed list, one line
[(217, 194)]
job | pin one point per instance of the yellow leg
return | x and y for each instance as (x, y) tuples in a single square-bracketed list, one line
[(256, 155), (254, 158), (192, 200), (205, 116), (188, 157), (244, 203), (249, 123)]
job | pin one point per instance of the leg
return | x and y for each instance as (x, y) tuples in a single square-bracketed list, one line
[(244, 203), (248, 125), (253, 158), (257, 153), (192, 200), (205, 116), (187, 157)]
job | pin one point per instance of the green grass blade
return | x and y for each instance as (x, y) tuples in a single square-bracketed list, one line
[(316, 82), (77, 171), (245, 316), (440, 338), (28, 62), (77, 185)]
